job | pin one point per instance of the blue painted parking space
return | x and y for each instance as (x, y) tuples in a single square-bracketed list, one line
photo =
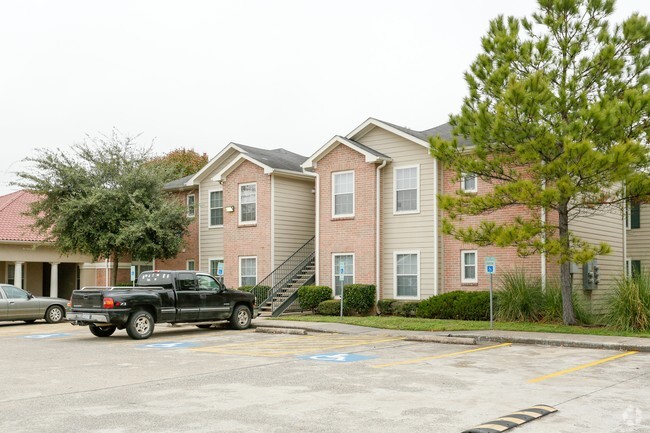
[(338, 357), (45, 336), (169, 345)]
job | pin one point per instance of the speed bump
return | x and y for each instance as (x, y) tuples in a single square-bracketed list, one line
[(513, 420)]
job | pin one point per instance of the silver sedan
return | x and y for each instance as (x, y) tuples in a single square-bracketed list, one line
[(18, 304)]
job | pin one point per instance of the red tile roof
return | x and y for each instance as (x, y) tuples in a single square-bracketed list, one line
[(14, 225)]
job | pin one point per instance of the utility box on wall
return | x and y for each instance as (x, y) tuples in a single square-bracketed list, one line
[(590, 275)]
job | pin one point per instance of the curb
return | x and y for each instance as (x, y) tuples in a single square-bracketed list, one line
[(273, 330), (557, 342), (470, 341)]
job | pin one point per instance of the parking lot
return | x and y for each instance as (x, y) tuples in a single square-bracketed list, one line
[(60, 378)]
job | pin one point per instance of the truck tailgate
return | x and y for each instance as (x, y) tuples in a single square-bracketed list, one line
[(92, 299)]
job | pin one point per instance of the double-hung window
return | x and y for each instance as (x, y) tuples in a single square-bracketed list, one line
[(190, 205), (343, 266), (406, 190), (214, 266), (407, 274), (248, 203), (189, 265), (468, 183), (216, 208), (468, 267), (247, 271), (343, 194)]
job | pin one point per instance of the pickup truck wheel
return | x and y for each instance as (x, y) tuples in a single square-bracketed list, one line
[(140, 325), (241, 317), (54, 314), (102, 331)]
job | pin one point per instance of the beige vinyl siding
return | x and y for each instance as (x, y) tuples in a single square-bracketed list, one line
[(408, 232), (608, 228), (294, 215), (638, 240)]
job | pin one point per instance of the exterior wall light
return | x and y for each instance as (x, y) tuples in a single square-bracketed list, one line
[(230, 208)]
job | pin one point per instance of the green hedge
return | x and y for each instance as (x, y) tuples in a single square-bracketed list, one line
[(310, 297), (405, 308), (385, 307), (359, 298), (457, 305), (331, 308)]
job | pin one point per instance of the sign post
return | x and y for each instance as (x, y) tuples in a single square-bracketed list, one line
[(133, 275), (341, 279), (491, 268)]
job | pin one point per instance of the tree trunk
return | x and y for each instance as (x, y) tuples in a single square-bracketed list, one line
[(568, 315), (116, 262)]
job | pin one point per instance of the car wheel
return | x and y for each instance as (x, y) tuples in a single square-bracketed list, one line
[(102, 331), (54, 314), (241, 317), (140, 325), (206, 326)]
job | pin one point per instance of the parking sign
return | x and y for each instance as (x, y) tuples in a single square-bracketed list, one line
[(490, 265)]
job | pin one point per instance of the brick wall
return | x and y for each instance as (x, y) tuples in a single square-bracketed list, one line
[(348, 235), (245, 239), (190, 249)]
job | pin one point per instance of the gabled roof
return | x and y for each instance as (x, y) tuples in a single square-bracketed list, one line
[(178, 184), (370, 154), (280, 160), (14, 224)]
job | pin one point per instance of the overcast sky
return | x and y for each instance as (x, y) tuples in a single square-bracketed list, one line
[(200, 74)]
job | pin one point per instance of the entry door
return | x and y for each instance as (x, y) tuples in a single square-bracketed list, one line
[(19, 304), (215, 305)]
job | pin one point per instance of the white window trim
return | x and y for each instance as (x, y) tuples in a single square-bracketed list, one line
[(462, 183), (23, 275), (187, 265), (239, 270), (246, 223), (350, 215), (210, 226), (187, 203), (395, 254), (462, 267), (417, 207), (628, 216), (335, 275), (214, 259)]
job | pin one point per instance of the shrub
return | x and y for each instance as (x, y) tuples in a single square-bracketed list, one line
[(359, 298), (331, 308), (629, 306), (457, 305), (520, 298), (553, 305), (405, 308), (385, 306), (310, 296)]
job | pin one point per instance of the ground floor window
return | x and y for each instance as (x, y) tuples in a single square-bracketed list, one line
[(247, 271), (407, 274), (633, 268), (11, 275), (468, 267), (189, 265), (214, 267), (343, 265)]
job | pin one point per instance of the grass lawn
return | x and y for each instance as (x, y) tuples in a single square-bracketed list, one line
[(416, 324)]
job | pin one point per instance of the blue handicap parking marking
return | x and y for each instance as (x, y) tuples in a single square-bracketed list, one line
[(338, 357), (45, 336), (168, 345)]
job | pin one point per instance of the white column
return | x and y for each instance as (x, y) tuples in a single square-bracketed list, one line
[(54, 280), (18, 275)]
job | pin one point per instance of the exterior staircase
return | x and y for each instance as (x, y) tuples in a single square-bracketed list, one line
[(277, 293)]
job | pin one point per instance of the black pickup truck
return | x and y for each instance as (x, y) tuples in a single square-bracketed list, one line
[(160, 297)]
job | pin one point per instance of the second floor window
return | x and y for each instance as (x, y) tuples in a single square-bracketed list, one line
[(406, 189), (190, 205), (468, 183), (216, 208), (343, 194), (248, 203)]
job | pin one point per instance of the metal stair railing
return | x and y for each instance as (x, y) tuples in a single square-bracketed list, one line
[(269, 287)]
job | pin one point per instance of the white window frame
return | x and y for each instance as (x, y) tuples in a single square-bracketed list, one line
[(240, 267), (210, 225), (462, 182), (23, 275), (193, 207), (464, 280), (419, 274), (417, 187), (243, 223), (335, 274), (214, 259), (349, 215), (187, 265)]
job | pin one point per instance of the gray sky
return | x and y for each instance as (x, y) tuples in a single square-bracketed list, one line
[(200, 74)]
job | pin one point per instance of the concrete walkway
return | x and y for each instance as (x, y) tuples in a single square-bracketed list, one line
[(466, 337)]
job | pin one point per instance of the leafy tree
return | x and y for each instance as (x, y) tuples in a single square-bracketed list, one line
[(179, 163), (103, 199), (557, 113)]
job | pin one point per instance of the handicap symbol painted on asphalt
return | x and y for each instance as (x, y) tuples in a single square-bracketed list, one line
[(338, 357), (168, 345), (44, 336)]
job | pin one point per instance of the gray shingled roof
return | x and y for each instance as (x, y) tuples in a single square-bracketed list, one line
[(177, 184), (368, 149), (444, 131), (280, 159)]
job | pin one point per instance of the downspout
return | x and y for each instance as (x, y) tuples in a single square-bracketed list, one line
[(435, 227), (624, 226), (543, 256), (272, 224), (378, 232), (317, 230)]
